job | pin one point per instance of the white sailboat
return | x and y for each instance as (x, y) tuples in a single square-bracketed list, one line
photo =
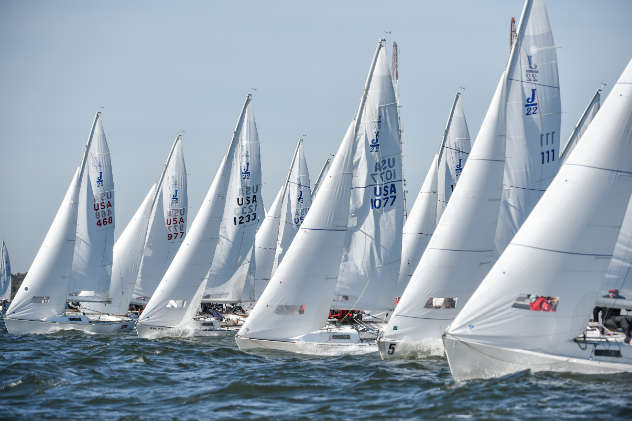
[(533, 120), (531, 309), (40, 304), (365, 173), (435, 192), (167, 225), (173, 308), (282, 221), (583, 123), (5, 279), (461, 250)]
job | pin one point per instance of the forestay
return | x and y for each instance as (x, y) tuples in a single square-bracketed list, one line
[(563, 249), (231, 277), (167, 224), (419, 227), (5, 275), (176, 293), (453, 154), (370, 263), (533, 120), (45, 288), (461, 250), (92, 260)]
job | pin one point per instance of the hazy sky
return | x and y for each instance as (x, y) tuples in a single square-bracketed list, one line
[(159, 67)]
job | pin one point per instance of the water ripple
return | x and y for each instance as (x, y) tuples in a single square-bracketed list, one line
[(69, 375)]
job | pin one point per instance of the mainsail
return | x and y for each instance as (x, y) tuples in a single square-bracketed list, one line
[(533, 120), (5, 275), (45, 288), (231, 277), (370, 262), (92, 260), (167, 224)]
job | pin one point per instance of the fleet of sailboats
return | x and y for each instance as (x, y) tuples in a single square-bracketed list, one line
[(510, 244)]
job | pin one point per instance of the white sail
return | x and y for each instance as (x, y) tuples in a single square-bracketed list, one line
[(419, 227), (321, 175), (189, 268), (266, 243), (231, 271), (282, 221), (167, 223), (558, 258), (92, 260), (127, 254), (5, 275), (461, 250), (46, 285), (297, 298), (370, 263), (533, 120), (453, 154), (296, 202), (583, 123)]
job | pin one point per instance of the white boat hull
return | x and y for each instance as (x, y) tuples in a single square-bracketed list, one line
[(391, 349), (197, 328), (470, 360), (324, 342), (84, 324)]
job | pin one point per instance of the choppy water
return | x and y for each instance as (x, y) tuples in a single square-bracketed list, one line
[(71, 375)]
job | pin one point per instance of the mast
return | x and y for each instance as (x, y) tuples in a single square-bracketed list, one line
[(84, 158), (572, 140), (447, 128)]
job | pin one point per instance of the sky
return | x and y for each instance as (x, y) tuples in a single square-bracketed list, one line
[(159, 68)]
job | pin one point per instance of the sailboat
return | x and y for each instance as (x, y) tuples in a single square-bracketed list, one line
[(531, 310), (5, 279), (435, 192), (461, 250), (283, 220), (232, 199), (583, 123), (359, 200), (40, 303), (533, 120)]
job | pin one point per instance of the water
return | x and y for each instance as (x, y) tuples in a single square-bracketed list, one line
[(70, 375)]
